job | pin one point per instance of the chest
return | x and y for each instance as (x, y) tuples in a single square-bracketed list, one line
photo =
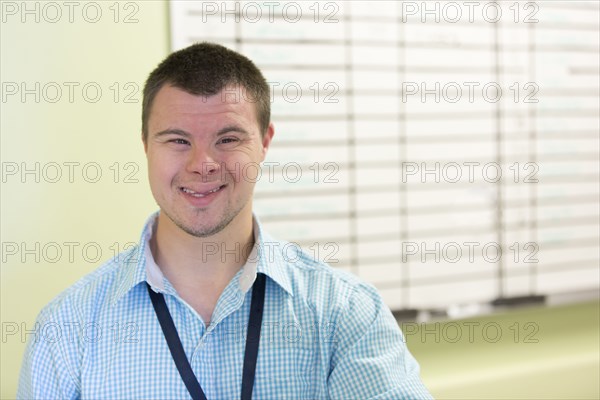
[(140, 365), (203, 305), (202, 298)]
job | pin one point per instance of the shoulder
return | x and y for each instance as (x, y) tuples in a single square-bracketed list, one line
[(85, 298), (56, 349), (321, 286)]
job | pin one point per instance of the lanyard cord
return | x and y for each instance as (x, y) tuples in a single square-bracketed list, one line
[(178, 354)]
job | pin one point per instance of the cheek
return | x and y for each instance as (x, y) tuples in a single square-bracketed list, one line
[(243, 167), (251, 172), (235, 170), (160, 169)]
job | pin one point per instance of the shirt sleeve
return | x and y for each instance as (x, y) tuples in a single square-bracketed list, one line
[(46, 372), (371, 360)]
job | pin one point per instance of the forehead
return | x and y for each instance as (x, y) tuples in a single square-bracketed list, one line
[(173, 105)]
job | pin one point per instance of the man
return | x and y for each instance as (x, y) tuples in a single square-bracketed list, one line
[(208, 305)]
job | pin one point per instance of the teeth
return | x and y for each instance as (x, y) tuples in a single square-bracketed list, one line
[(188, 191)]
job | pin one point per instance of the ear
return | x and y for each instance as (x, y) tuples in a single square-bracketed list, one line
[(266, 140), (145, 143)]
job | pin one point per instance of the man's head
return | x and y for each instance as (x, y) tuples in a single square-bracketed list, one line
[(204, 140), (206, 69)]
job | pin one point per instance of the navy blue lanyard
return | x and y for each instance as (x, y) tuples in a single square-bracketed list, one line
[(178, 354)]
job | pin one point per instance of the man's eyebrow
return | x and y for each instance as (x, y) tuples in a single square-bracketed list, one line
[(232, 128), (222, 131), (173, 132)]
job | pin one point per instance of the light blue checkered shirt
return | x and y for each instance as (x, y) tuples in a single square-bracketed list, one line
[(325, 334)]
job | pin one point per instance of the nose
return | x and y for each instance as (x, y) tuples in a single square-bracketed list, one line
[(201, 161)]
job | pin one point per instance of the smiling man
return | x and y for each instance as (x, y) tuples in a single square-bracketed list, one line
[(197, 148), (208, 305)]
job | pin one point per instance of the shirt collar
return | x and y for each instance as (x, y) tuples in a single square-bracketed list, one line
[(139, 265)]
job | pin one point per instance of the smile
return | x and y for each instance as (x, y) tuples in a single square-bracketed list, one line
[(201, 194)]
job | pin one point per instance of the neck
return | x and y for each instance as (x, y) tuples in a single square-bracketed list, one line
[(202, 263)]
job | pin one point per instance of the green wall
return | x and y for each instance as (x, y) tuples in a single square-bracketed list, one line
[(60, 209), (529, 353)]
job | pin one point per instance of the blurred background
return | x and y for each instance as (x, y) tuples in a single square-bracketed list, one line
[(446, 152)]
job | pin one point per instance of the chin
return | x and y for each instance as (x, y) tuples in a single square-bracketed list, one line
[(204, 228)]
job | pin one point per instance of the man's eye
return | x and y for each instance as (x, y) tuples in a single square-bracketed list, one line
[(227, 140), (179, 141)]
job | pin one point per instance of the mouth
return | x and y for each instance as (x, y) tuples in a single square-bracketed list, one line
[(198, 194)]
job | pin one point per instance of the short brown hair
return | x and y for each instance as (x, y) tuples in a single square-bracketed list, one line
[(206, 69)]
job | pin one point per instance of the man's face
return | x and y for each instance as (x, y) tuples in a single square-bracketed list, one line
[(203, 155)]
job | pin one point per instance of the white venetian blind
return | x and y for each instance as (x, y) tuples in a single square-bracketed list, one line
[(416, 140)]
